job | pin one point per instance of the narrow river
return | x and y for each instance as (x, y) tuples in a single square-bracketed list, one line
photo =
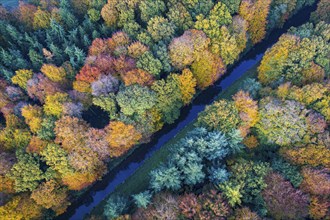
[(118, 175)]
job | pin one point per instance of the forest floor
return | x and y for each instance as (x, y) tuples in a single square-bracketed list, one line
[(139, 181)]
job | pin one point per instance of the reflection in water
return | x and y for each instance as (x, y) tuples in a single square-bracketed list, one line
[(101, 189)]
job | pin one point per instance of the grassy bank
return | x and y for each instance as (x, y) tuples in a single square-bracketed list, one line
[(139, 181)]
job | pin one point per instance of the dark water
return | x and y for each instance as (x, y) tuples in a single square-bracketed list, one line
[(104, 187), (2, 119), (96, 117), (9, 3)]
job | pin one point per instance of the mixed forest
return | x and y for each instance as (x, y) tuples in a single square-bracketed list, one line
[(265, 153)]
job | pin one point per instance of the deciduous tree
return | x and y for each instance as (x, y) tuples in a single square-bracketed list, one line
[(26, 173), (135, 99), (218, 16), (41, 19), (54, 104), (136, 49), (160, 28), (137, 76), (313, 155), (282, 200), (109, 13), (316, 182), (247, 108), (187, 85), (56, 158), (207, 68), (51, 195), (249, 177), (104, 85), (213, 205), (121, 137), (21, 207), (168, 99), (26, 12), (186, 48), (96, 140), (150, 9), (36, 145), (107, 103), (189, 205), (78, 181), (70, 132), (150, 64), (245, 213), (283, 123), (255, 12), (232, 5), (33, 116), (221, 115), (21, 78), (321, 13), (39, 86), (273, 63), (54, 73), (88, 74), (318, 208), (180, 17)]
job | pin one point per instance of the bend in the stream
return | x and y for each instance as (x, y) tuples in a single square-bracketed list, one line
[(101, 189)]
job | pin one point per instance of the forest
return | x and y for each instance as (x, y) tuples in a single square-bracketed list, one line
[(264, 153)]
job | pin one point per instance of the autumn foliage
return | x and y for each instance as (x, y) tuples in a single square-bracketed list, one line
[(66, 64), (137, 76), (207, 68), (255, 13), (88, 74), (187, 84), (121, 137), (51, 195), (54, 73), (283, 201)]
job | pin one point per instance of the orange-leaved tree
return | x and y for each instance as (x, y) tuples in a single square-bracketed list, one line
[(121, 137)]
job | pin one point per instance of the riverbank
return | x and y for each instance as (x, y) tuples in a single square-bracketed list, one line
[(139, 181), (132, 162)]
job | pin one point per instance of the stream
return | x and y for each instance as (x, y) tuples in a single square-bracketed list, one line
[(119, 174)]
